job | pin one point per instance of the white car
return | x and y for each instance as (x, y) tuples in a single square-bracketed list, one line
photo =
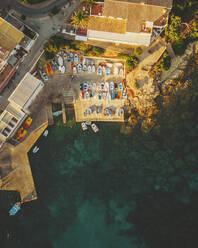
[(45, 77), (94, 128), (84, 126)]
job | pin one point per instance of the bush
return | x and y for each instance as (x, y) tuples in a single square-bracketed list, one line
[(172, 31), (131, 62), (179, 47), (164, 64), (98, 50), (48, 55), (138, 51), (123, 56)]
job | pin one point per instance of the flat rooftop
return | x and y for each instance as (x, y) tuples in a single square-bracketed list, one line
[(26, 88), (9, 35)]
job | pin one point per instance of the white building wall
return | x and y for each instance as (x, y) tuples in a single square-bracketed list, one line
[(127, 38), (33, 96)]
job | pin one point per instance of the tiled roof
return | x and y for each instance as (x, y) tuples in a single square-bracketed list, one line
[(134, 13), (107, 24), (163, 3)]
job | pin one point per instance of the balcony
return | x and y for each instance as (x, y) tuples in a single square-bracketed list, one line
[(97, 9)]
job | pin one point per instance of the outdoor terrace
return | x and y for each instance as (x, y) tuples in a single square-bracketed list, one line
[(97, 9), (162, 21)]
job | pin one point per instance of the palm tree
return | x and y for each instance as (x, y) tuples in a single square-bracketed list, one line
[(79, 19)]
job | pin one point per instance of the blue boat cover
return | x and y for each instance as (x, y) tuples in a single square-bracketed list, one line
[(14, 210)]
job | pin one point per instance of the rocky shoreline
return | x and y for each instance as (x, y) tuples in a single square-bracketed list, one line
[(142, 107)]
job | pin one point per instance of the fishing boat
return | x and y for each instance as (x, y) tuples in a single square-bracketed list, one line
[(35, 149), (45, 133), (15, 208)]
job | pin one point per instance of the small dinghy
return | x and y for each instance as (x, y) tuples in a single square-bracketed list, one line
[(15, 209), (35, 150), (45, 133)]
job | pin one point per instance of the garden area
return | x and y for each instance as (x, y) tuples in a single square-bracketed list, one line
[(183, 25), (58, 43)]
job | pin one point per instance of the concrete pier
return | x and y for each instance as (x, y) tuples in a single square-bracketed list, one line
[(15, 165)]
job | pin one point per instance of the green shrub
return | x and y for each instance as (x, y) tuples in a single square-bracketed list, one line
[(98, 50), (138, 51), (164, 64), (122, 56), (49, 55), (172, 31), (131, 62), (179, 47)]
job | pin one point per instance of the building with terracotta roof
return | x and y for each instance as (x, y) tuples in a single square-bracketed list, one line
[(136, 22)]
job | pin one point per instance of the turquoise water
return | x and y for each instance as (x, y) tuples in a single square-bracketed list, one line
[(112, 190)]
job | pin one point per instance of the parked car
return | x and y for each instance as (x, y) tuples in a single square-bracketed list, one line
[(45, 77)]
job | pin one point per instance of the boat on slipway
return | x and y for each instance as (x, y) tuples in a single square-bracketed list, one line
[(15, 209)]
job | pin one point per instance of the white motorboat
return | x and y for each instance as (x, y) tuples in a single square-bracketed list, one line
[(93, 68), (88, 123), (99, 70), (84, 126), (60, 61), (35, 149), (45, 133), (94, 128), (89, 68)]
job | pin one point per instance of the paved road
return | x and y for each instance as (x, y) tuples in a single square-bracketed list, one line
[(39, 13)]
